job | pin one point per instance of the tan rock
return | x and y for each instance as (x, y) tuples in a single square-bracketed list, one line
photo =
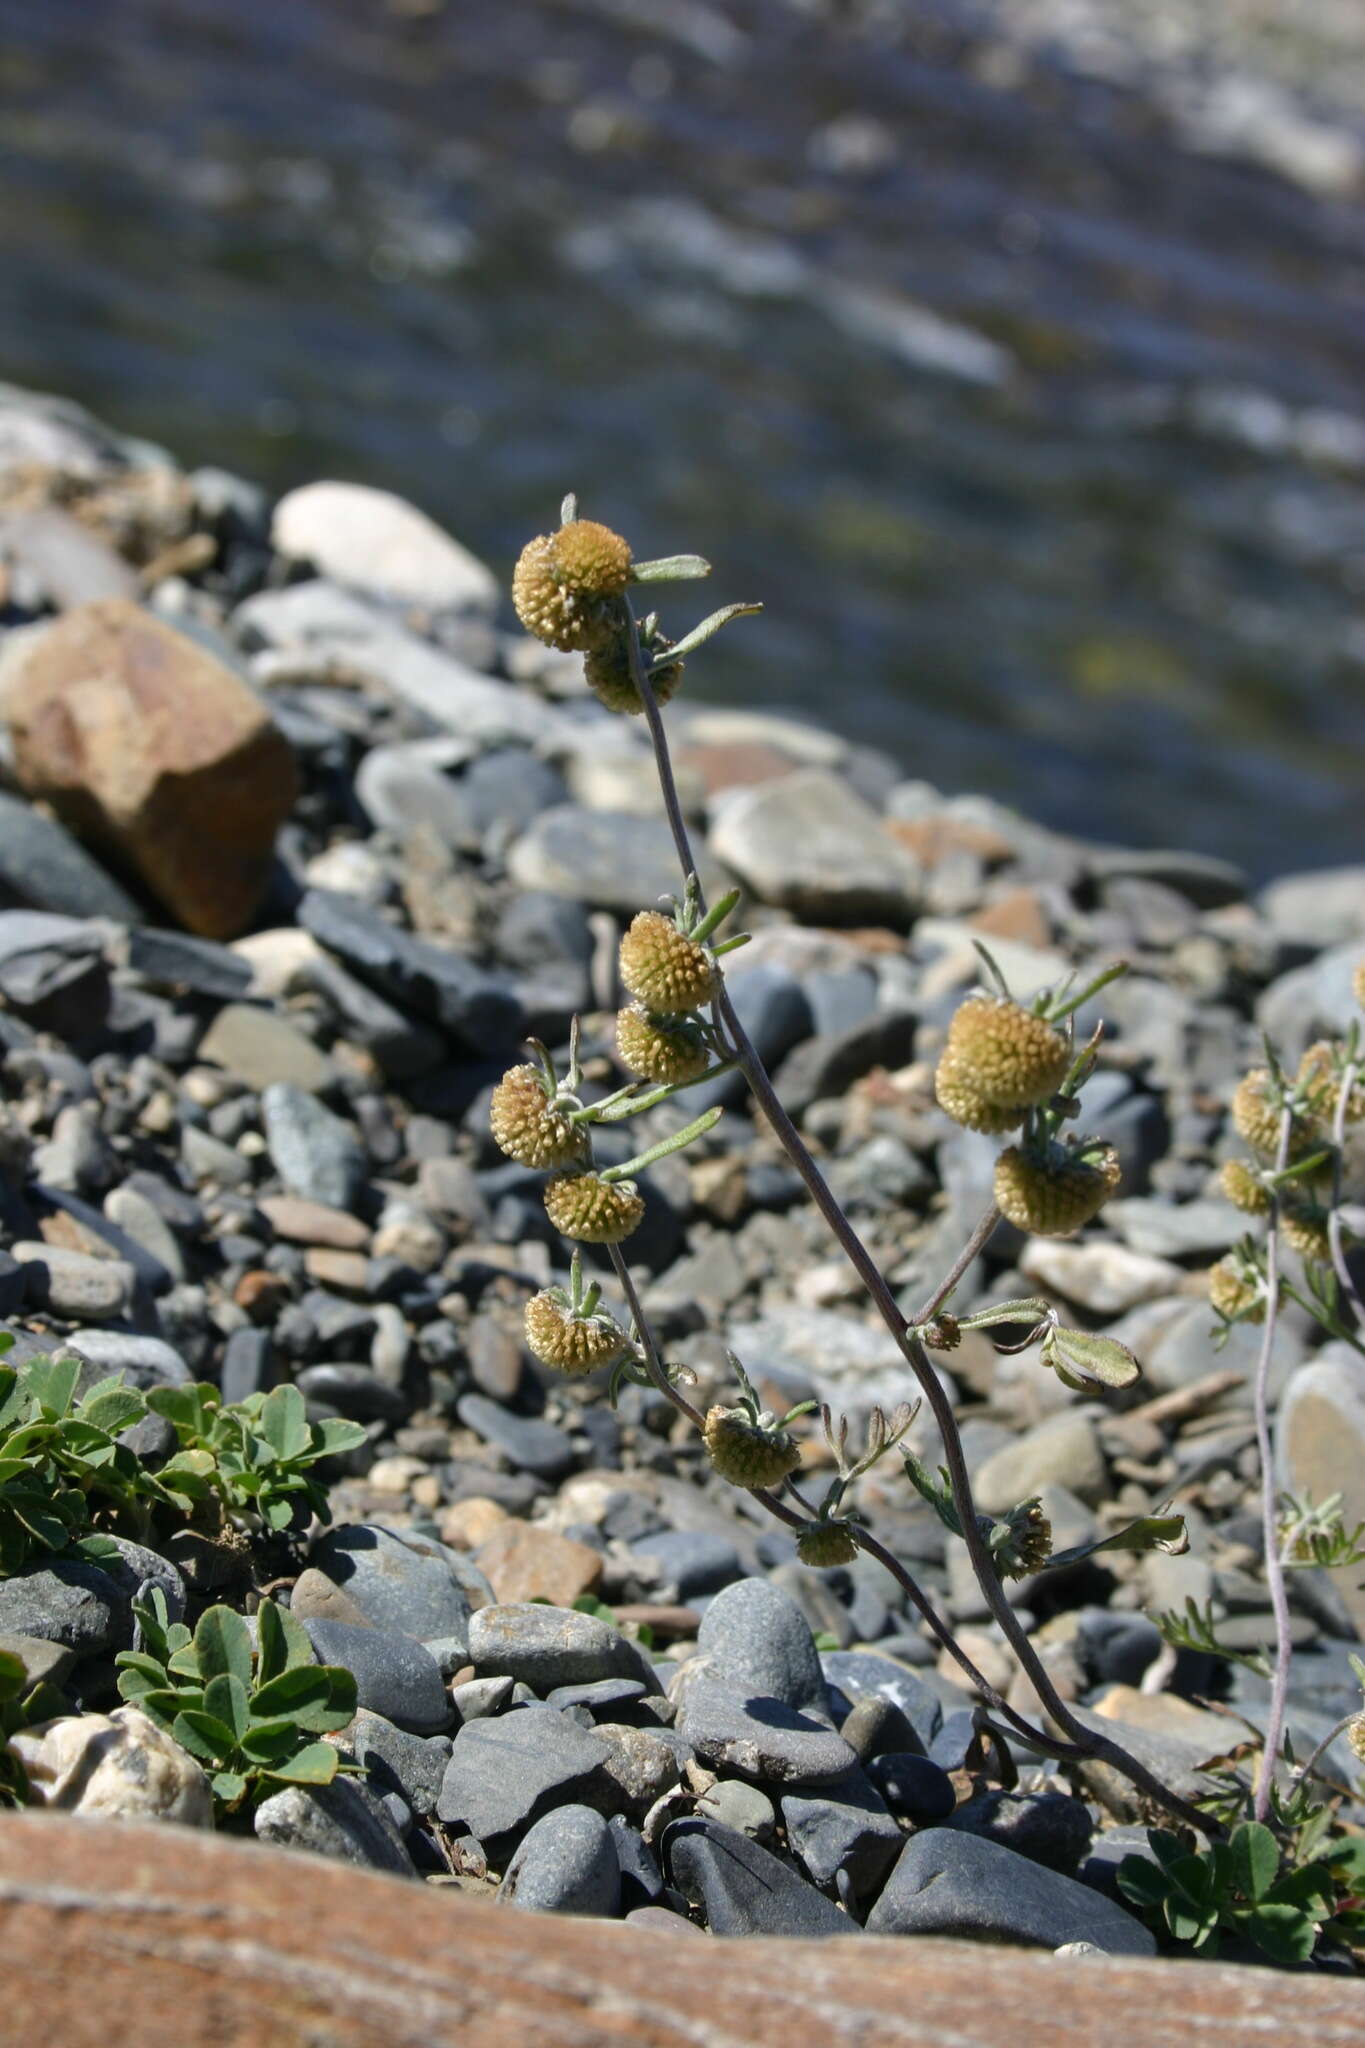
[(146, 744), (304, 1222), (315, 1597), (118, 1766), (348, 1272), (522, 1562), (465, 1524)]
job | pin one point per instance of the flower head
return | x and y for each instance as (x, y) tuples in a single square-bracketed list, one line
[(528, 1126), (593, 1210), (662, 967), (567, 585), (1054, 1190)]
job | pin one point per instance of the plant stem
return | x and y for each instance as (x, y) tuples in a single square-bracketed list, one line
[(1334, 1237), (1085, 1741), (1274, 1568), (1310, 1762), (976, 1243)]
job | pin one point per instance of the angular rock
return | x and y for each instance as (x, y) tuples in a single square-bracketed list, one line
[(914, 1787), (262, 1049), (68, 1602), (531, 1446), (43, 868), (1063, 1450), (808, 844), (524, 1562), (950, 1883), (566, 1863), (394, 1675), (393, 1585), (143, 741), (317, 1155), (842, 1827), (411, 1765), (610, 860), (435, 982)]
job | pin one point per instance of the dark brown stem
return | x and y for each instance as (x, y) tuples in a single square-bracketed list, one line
[(1334, 1234), (1083, 1739), (975, 1244), (1270, 1499)]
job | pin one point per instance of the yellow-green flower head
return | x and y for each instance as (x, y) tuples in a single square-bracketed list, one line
[(1355, 1734), (822, 1544), (1054, 1191), (658, 1050), (1244, 1188), (608, 672), (1306, 1230), (1236, 1293), (662, 967), (1358, 984), (593, 1210), (744, 1452), (527, 1125), (1320, 1070), (959, 1095), (572, 1344), (567, 584), (1256, 1118), (1012, 1058), (1029, 1544)]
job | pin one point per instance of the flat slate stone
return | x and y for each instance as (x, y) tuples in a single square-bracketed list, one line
[(505, 1771), (957, 1884), (842, 1827), (532, 1446), (566, 1863), (316, 1154), (397, 1761), (419, 976), (760, 1737), (68, 1602), (744, 1889)]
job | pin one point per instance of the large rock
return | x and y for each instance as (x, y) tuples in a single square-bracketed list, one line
[(945, 1882), (348, 1956), (378, 543), (1320, 1449), (145, 743), (810, 845), (118, 1766)]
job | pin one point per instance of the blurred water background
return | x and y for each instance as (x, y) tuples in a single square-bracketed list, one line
[(1012, 352)]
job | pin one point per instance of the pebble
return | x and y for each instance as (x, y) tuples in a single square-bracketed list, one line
[(397, 1761), (394, 1675), (391, 1584), (74, 1285), (608, 860), (842, 1828), (731, 1803), (344, 1820), (756, 1639), (913, 1786), (950, 1883), (566, 1863), (808, 844), (261, 1049), (506, 1771), (1062, 1450), (1104, 1278), (1320, 1450), (530, 1445), (68, 1602), (316, 1154), (524, 1562), (760, 1737), (745, 1889), (641, 1763), (550, 1646), (374, 541)]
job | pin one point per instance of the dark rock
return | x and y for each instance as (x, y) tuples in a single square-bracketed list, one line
[(913, 1787), (744, 1889), (538, 1447), (344, 1820), (829, 1064), (950, 1883), (43, 868), (68, 1602), (760, 1737), (756, 1639), (855, 1675), (642, 1881), (352, 1390), (394, 1675), (393, 1585), (842, 1827), (694, 1562), (411, 1765), (176, 960), (433, 981), (565, 1863), (551, 1646), (507, 1771), (1050, 1828), (315, 1153)]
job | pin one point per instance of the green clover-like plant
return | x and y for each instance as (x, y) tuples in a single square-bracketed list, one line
[(1245, 1887), (255, 1456), (251, 1713), (63, 1472)]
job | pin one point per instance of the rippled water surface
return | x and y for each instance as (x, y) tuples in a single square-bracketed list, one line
[(1041, 434)]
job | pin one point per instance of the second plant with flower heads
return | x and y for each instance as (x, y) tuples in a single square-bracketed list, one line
[(1009, 1070)]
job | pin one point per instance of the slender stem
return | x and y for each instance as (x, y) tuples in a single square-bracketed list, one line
[(975, 1244), (1274, 1568), (1334, 1235), (1086, 1740), (654, 1364), (1314, 1757)]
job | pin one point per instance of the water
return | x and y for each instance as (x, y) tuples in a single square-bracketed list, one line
[(1042, 437)]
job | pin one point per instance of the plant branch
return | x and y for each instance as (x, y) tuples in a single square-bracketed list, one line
[(975, 1244), (1274, 1568), (1334, 1235)]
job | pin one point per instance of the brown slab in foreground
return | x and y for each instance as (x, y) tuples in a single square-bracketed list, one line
[(173, 1939)]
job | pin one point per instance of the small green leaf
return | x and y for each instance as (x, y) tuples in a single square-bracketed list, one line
[(112, 1410), (294, 1690), (1285, 1933), (284, 1422), (266, 1742), (1255, 1857), (229, 1786), (316, 1764), (225, 1697), (1150, 1532), (222, 1643), (1142, 1882), (203, 1734), (284, 1642), (52, 1381)]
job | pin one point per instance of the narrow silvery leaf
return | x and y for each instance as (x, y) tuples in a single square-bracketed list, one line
[(664, 1147), (1166, 1533), (707, 630), (670, 569), (1081, 1355), (1030, 1310)]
